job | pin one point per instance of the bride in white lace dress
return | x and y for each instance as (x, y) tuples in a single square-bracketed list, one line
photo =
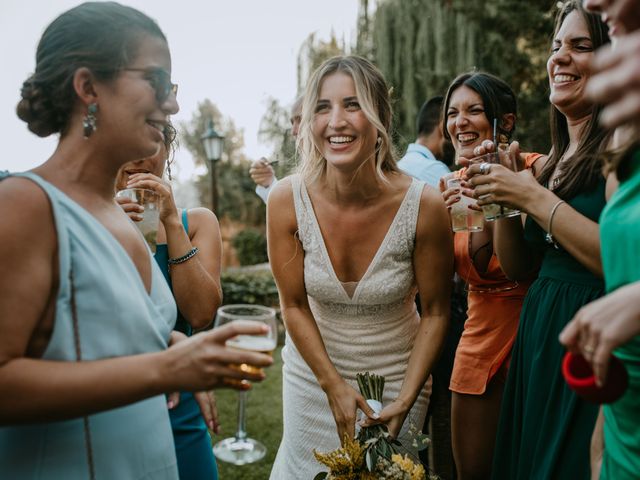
[(351, 241)]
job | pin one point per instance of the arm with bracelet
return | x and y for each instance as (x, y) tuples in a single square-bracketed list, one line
[(194, 265), (194, 249)]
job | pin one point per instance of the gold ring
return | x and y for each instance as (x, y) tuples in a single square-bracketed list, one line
[(588, 349)]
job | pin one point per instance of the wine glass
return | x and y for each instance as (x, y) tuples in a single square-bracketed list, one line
[(240, 449)]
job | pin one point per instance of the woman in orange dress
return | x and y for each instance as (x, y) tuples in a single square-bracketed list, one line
[(472, 103)]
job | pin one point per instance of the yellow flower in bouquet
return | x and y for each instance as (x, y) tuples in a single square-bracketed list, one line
[(415, 471), (345, 463)]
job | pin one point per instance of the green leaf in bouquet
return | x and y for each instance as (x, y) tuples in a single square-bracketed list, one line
[(321, 476)]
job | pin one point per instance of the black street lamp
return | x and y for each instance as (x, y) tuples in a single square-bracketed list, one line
[(213, 143)]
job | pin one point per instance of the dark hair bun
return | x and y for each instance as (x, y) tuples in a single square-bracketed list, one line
[(37, 111)]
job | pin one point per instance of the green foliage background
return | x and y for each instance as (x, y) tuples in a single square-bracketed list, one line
[(256, 287), (251, 247), (236, 191), (421, 45)]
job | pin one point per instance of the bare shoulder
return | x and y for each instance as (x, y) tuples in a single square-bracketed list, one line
[(431, 198), (25, 211), (201, 216), (282, 192), (202, 221), (280, 206), (433, 216)]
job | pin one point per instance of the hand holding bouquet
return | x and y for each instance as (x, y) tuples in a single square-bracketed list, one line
[(373, 453)]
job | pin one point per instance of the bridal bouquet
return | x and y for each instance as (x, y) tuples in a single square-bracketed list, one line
[(372, 454)]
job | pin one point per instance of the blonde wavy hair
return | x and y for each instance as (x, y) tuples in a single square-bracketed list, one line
[(373, 95)]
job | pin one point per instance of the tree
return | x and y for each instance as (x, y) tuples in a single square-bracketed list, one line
[(237, 198), (421, 45), (312, 53), (275, 129)]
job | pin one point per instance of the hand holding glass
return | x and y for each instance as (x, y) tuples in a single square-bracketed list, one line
[(493, 211), (150, 201), (241, 449), (464, 218)]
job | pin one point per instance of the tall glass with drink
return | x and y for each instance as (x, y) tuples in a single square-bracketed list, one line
[(150, 201), (240, 449), (494, 211), (464, 218)]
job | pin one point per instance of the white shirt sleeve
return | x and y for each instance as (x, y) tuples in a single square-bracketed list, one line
[(263, 192)]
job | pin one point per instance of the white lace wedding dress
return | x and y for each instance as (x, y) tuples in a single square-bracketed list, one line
[(371, 330)]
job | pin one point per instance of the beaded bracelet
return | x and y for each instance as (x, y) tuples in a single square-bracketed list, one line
[(190, 254), (549, 237)]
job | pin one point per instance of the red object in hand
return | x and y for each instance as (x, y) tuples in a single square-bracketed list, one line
[(579, 376)]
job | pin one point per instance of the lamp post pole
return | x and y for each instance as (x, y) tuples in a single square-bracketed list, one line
[(214, 186), (213, 142)]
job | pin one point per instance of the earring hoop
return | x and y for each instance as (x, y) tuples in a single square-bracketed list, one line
[(89, 121)]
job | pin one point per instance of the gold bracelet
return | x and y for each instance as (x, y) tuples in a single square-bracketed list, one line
[(549, 236)]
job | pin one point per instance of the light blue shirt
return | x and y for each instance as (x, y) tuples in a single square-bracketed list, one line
[(420, 163)]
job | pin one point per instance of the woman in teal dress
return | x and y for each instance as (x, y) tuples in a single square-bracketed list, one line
[(545, 429), (195, 284)]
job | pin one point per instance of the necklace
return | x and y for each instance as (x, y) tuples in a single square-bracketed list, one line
[(557, 173)]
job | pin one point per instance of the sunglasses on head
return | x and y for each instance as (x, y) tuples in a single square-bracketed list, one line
[(160, 81)]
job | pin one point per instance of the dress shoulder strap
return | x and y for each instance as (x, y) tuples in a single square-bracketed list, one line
[(413, 201), (185, 220)]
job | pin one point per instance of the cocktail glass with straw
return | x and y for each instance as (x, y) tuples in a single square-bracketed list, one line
[(493, 211)]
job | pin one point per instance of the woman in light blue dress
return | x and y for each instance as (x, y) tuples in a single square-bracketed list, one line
[(85, 314)]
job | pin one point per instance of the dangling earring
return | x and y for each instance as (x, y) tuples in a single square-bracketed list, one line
[(89, 120), (169, 171), (378, 141)]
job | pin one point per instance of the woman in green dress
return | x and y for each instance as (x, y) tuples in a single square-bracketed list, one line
[(545, 429), (613, 322)]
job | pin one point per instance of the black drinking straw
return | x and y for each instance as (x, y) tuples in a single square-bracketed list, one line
[(495, 145)]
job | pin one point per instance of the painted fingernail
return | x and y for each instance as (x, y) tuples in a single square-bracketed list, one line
[(211, 425), (375, 415)]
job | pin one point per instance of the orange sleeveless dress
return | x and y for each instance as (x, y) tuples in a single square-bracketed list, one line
[(494, 304)]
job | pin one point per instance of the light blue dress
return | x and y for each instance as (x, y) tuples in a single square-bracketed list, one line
[(116, 317)]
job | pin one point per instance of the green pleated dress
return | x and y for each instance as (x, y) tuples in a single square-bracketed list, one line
[(545, 429), (620, 236)]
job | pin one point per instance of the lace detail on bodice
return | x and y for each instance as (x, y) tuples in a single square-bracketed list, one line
[(374, 293)]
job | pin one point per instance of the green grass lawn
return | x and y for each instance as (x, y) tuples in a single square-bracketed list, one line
[(264, 422)]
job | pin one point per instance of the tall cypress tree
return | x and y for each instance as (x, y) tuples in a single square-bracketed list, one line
[(421, 45)]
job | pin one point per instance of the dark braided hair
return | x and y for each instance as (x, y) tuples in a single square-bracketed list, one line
[(101, 36)]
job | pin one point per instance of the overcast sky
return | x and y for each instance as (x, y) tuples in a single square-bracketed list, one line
[(235, 52)]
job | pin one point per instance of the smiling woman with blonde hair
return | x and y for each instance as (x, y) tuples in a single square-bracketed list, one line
[(351, 241)]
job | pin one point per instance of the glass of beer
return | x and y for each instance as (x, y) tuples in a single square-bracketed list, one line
[(150, 200), (240, 449)]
